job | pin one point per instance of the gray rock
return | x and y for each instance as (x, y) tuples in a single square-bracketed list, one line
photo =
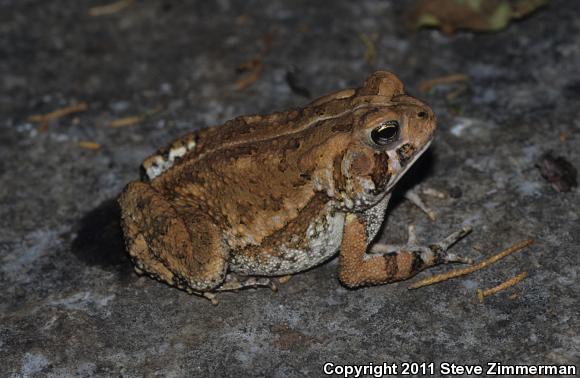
[(70, 304)]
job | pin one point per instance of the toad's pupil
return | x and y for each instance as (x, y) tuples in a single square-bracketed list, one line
[(387, 132)]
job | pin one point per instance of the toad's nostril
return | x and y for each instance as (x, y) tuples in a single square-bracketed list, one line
[(422, 114)]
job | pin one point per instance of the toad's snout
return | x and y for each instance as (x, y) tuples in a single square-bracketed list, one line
[(421, 122)]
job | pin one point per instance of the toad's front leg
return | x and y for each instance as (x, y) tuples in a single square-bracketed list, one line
[(357, 268)]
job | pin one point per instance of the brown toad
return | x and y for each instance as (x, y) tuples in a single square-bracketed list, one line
[(272, 195)]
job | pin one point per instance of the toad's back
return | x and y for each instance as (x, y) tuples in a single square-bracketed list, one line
[(253, 190)]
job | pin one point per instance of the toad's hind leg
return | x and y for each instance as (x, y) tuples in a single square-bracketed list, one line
[(184, 251), (393, 263)]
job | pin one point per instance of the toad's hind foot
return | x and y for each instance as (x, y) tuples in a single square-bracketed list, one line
[(437, 252), (388, 263), (233, 283), (440, 248)]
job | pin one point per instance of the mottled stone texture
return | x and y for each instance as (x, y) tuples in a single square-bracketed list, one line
[(70, 303)]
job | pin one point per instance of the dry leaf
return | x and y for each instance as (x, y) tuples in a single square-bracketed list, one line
[(475, 15)]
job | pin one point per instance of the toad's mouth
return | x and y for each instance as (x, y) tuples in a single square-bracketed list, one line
[(402, 170)]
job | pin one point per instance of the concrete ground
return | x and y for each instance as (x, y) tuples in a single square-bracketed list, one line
[(70, 303)]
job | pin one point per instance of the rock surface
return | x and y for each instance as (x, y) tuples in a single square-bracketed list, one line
[(70, 303)]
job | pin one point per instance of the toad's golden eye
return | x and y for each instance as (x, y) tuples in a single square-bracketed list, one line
[(386, 133)]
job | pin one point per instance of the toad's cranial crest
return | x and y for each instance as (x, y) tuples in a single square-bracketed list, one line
[(269, 195)]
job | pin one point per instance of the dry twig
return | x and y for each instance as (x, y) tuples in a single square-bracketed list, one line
[(89, 145), (253, 65), (481, 294), (133, 120), (127, 121), (370, 55), (427, 85), (104, 10), (44, 119)]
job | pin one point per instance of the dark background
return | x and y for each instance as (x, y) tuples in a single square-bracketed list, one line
[(70, 303)]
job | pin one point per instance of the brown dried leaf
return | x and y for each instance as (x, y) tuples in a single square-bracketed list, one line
[(475, 15)]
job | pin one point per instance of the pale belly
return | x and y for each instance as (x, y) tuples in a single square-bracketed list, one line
[(323, 240)]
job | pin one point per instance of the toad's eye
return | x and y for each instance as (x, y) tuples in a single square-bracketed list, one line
[(386, 133)]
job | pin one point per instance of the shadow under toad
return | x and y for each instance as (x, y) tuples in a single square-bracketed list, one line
[(99, 240)]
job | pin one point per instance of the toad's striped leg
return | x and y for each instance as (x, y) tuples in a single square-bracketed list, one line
[(393, 263)]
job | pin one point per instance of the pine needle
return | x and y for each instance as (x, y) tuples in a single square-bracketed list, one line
[(481, 294), (89, 145), (427, 85), (104, 10), (44, 119)]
